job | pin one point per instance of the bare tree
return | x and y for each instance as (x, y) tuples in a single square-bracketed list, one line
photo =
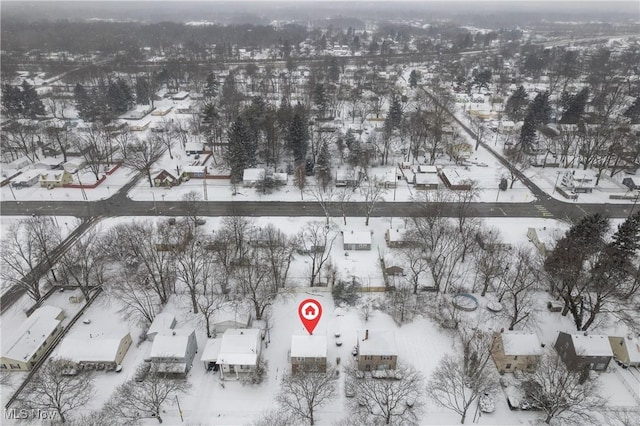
[(51, 388), (134, 400), (26, 245), (402, 301), (479, 130), (210, 300), (562, 393), (276, 251), (517, 294), (124, 140), (489, 259), (239, 228), (194, 265), (302, 394), (316, 242), (83, 264), (396, 400), (448, 387), (274, 418), (253, 283), (96, 146), (372, 194), (142, 155), (415, 265), (138, 301), (190, 202)]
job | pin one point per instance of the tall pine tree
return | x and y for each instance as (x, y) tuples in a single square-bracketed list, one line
[(541, 108), (237, 158), (298, 134), (323, 166), (517, 104), (528, 134)]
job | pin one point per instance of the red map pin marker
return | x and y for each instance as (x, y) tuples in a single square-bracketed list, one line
[(310, 311)]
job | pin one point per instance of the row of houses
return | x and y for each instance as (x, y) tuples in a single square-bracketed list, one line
[(516, 351)]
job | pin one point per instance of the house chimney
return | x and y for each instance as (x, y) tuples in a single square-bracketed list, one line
[(366, 335)]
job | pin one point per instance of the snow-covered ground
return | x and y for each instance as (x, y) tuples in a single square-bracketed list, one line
[(421, 343)]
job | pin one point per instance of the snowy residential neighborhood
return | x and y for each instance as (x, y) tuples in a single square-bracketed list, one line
[(320, 213)]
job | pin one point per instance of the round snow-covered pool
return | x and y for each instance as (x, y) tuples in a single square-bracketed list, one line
[(465, 302)]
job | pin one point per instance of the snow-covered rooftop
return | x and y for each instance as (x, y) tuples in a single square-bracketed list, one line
[(515, 343), (171, 343), (162, 321), (379, 342), (591, 345), (427, 179), (356, 237), (396, 235), (211, 350), (31, 334), (253, 174), (240, 346), (309, 346), (97, 349)]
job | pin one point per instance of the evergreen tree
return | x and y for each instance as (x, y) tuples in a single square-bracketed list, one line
[(211, 87), (414, 77), (84, 104), (210, 121), (482, 79), (32, 106), (575, 107), (323, 166), (236, 153), (517, 103), (298, 134), (334, 70), (320, 99), (143, 91), (11, 101), (528, 134), (541, 108), (633, 112), (394, 116)]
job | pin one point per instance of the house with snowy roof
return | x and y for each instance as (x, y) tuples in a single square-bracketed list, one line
[(356, 240), (162, 322), (626, 350), (512, 350), (232, 316), (173, 351), (101, 352), (377, 350), (251, 177), (308, 353), (55, 179), (239, 352), (578, 351), (32, 339)]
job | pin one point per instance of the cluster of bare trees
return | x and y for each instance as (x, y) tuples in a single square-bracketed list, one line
[(27, 252)]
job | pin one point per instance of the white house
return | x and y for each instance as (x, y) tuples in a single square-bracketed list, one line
[(31, 339), (579, 181), (239, 352), (173, 351), (251, 177), (96, 352), (356, 240), (27, 178), (161, 322)]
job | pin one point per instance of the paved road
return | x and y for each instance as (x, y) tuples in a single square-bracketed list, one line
[(122, 206)]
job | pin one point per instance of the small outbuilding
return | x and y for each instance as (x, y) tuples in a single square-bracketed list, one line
[(626, 350)]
